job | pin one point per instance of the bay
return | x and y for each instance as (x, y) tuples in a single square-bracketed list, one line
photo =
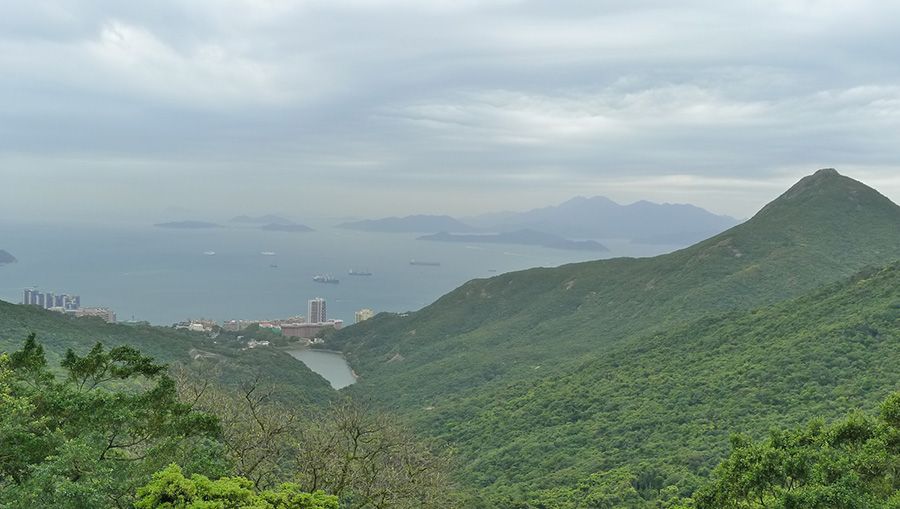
[(163, 276)]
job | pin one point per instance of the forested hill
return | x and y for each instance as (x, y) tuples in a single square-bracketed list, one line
[(492, 331), (487, 339), (627, 426), (58, 332)]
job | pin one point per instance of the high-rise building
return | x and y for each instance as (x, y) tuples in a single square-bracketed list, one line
[(29, 296), (316, 311), (363, 315), (49, 300)]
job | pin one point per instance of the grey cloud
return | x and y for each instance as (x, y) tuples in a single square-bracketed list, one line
[(535, 97)]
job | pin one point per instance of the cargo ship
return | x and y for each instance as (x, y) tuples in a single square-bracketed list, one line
[(354, 272), (326, 279), (433, 264)]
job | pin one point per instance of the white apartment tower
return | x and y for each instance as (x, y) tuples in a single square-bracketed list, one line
[(316, 311)]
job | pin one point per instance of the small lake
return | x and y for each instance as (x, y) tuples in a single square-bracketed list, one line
[(330, 365)]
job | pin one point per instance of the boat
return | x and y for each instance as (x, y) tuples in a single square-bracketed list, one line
[(267, 253), (433, 264), (360, 272), (326, 279), (209, 253)]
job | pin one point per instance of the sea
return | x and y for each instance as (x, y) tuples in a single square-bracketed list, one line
[(165, 276)]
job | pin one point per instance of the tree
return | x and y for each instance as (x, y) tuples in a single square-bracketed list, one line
[(91, 439), (259, 435), (171, 490), (352, 451), (852, 464), (368, 460)]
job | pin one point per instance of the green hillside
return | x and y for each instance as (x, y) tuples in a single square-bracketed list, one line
[(462, 366), (58, 332), (489, 332), (665, 404)]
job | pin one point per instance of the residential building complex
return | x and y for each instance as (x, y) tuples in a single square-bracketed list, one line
[(363, 315), (316, 311), (49, 300)]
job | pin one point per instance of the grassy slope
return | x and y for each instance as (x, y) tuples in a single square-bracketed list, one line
[(58, 332)]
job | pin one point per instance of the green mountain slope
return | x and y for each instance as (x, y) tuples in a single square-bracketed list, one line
[(667, 402), (456, 367), (58, 332), (493, 331)]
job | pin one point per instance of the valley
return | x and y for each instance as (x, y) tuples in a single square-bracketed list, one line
[(619, 381)]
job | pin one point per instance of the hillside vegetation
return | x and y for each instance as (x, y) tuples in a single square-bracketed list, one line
[(544, 379), (665, 405), (492, 331), (59, 332)]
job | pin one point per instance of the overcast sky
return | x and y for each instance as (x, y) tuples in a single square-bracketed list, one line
[(211, 108)]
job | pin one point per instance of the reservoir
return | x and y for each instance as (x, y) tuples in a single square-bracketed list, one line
[(330, 365)]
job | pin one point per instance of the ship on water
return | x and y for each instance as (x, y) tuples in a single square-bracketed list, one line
[(326, 278), (433, 264), (354, 272)]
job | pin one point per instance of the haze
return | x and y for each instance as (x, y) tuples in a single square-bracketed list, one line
[(207, 109)]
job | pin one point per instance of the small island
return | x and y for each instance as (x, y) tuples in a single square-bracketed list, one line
[(188, 225), (522, 237), (5, 258)]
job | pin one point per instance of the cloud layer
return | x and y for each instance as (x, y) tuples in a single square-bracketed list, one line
[(383, 107)]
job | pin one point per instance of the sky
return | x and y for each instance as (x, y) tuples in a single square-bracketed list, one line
[(205, 109)]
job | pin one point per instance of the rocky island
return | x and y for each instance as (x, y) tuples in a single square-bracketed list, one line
[(5, 258)]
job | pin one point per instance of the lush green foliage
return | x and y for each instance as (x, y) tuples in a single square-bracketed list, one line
[(171, 490), (852, 464), (664, 406), (91, 440), (59, 333), (551, 382), (492, 332)]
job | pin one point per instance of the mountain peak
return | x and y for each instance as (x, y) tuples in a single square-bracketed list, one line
[(825, 172), (828, 192)]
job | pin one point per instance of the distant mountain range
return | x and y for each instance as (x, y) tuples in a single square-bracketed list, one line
[(578, 218), (601, 218)]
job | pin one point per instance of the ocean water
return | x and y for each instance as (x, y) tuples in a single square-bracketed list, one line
[(163, 276)]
